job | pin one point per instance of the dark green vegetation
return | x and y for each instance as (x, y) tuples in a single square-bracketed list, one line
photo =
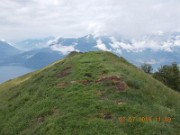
[(147, 68), (85, 94), (169, 75)]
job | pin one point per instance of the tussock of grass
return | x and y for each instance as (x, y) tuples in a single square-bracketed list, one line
[(66, 98)]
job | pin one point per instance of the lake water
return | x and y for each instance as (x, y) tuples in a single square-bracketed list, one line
[(11, 72)]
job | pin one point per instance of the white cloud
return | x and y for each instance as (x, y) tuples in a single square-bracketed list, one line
[(100, 45), (151, 61), (63, 49), (71, 18), (140, 44), (3, 40), (120, 45), (177, 43)]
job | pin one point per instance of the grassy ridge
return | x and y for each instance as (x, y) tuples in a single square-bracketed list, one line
[(86, 94)]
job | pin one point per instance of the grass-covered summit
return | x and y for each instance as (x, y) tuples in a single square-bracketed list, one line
[(88, 94)]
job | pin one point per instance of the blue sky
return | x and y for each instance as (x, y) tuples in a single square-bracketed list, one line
[(20, 19)]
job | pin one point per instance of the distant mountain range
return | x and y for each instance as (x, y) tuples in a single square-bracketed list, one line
[(155, 49), (33, 59), (7, 50), (31, 44)]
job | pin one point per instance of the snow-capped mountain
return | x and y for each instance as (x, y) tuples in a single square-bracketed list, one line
[(155, 49)]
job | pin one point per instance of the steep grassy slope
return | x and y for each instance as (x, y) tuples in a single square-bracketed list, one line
[(88, 94)]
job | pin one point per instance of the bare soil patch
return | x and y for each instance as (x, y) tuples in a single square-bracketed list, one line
[(64, 72)]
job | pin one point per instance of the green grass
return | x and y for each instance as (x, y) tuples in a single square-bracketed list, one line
[(66, 98)]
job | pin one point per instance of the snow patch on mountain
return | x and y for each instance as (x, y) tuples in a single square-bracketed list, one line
[(6, 42)]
